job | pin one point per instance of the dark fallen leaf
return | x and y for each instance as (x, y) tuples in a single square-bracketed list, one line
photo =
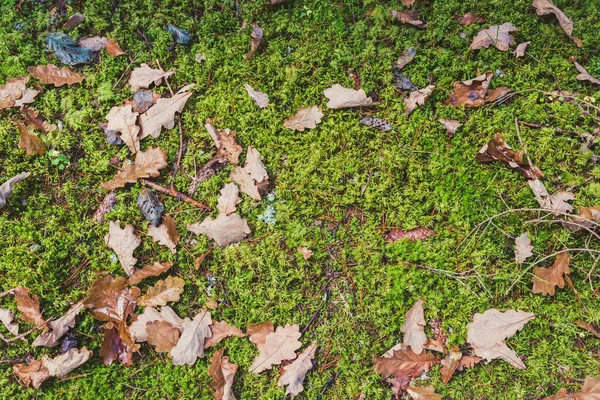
[(180, 36), (413, 235), (152, 209), (69, 341), (377, 123), (402, 82), (407, 56), (108, 203), (73, 21), (112, 136), (256, 35), (68, 50), (498, 150), (143, 99), (113, 347), (468, 19)]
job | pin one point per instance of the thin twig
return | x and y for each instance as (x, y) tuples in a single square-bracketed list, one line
[(175, 193)]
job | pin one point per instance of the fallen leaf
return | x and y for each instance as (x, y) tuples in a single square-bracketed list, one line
[(341, 97), (60, 366), (123, 119), (471, 92), (469, 18), (546, 279), (29, 305), (31, 143), (305, 251), (498, 150), (523, 248), (408, 3), (143, 99), (225, 229), (487, 332), (413, 235), (191, 343), (587, 217), (405, 57), (229, 199), (14, 93), (68, 50), (144, 76), (225, 141), (520, 50), (293, 374), (402, 82), (163, 292), (73, 21), (450, 364), (7, 318), (114, 348), (32, 119), (404, 364), (417, 98), (222, 372), (450, 125), (51, 74), (113, 48), (59, 327), (494, 94), (123, 242), (137, 329), (435, 345), (498, 36), (147, 164), (152, 209), (220, 330), (556, 202), (377, 123), (93, 44), (110, 300), (107, 204), (584, 75), (261, 99), (162, 114), (162, 336), (256, 35), (589, 391), (275, 347), (588, 327), (546, 7), (180, 36), (149, 270), (423, 393), (165, 234), (252, 178), (414, 328), (409, 17), (8, 186), (468, 362), (305, 118), (32, 374)]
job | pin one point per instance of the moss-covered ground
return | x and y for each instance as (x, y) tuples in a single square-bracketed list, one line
[(335, 190)]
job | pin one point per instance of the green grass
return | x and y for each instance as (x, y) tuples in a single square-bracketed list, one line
[(334, 188)]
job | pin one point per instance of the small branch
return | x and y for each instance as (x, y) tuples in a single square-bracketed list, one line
[(175, 193)]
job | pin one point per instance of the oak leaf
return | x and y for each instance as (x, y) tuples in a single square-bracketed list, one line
[(252, 178), (220, 330), (556, 203), (123, 119), (305, 118), (52, 75), (60, 366), (225, 229), (546, 7), (450, 125), (498, 150), (520, 50), (417, 98), (93, 44), (113, 48), (149, 270), (7, 318), (31, 143), (305, 251), (59, 327), (8, 186), (162, 335), (110, 299), (191, 343), (589, 391), (584, 75), (275, 346), (137, 329), (32, 374), (523, 248), (162, 113), (405, 57), (261, 99), (256, 37), (449, 364), (587, 217), (29, 306), (14, 93), (164, 291), (225, 141), (409, 17), (341, 97), (293, 374), (404, 364), (469, 18), (165, 234), (123, 242), (498, 36), (423, 393), (117, 346), (229, 199), (414, 328), (223, 373), (545, 280), (471, 92), (143, 76), (147, 164)]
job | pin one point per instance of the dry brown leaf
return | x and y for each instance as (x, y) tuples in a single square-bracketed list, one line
[(468, 362), (29, 306), (414, 328), (114, 348), (220, 330), (498, 36), (545, 280), (469, 18), (546, 7), (305, 118), (52, 75), (162, 114), (225, 229), (405, 57), (341, 97), (588, 327), (471, 92), (450, 125), (523, 248), (229, 199), (123, 242), (107, 204), (252, 178), (584, 75), (143, 76), (7, 187), (60, 366), (587, 217), (163, 292), (31, 143), (14, 93), (33, 120), (498, 150), (123, 119), (404, 364), (32, 374), (225, 141), (275, 346), (113, 48), (413, 235), (589, 391), (191, 343), (488, 331), (409, 17), (223, 373), (435, 345), (305, 251), (256, 35), (261, 99), (110, 300), (520, 50), (556, 202), (147, 164), (165, 234), (137, 329), (417, 98), (149, 270), (423, 393), (59, 327), (162, 336), (7, 318), (293, 374), (408, 3), (94, 43), (450, 364)]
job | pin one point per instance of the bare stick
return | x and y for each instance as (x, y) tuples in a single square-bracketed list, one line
[(175, 193)]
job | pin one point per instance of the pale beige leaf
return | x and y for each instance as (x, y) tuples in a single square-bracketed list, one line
[(191, 343), (164, 291), (246, 183), (123, 242), (293, 374), (305, 251), (523, 248), (341, 97), (143, 76), (94, 43), (162, 113), (520, 50), (556, 203), (423, 393), (60, 366), (229, 199), (305, 118), (253, 177), (589, 391), (220, 330), (408, 3), (223, 373), (498, 36), (29, 306), (162, 335), (278, 346), (225, 141), (254, 165), (137, 329), (123, 119), (545, 7), (7, 318), (584, 75), (165, 234), (261, 99), (7, 187), (149, 270), (417, 98), (32, 374), (31, 143), (450, 125), (408, 17), (113, 48), (414, 328), (147, 164), (225, 229), (545, 280), (52, 75), (28, 97), (14, 90), (59, 327)]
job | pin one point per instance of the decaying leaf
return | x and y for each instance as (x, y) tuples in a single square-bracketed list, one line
[(162, 335), (588, 327), (93, 43), (31, 143), (29, 305), (191, 343), (450, 364), (471, 92), (498, 36), (520, 50), (147, 164), (143, 99), (404, 364), (115, 348), (275, 346), (584, 75), (414, 328), (252, 178), (165, 234), (293, 374), (32, 374), (68, 50), (261, 99), (305, 118), (137, 329), (256, 35), (545, 280), (162, 114), (180, 35), (405, 57), (149, 270), (73, 21), (60, 366), (377, 123), (113, 48), (341, 97), (14, 93), (123, 242), (469, 18), (225, 229), (589, 391), (59, 327), (107, 204), (305, 251), (33, 120), (52, 75), (498, 150), (450, 125), (223, 373), (225, 141), (7, 318), (403, 82), (546, 7), (7, 187), (123, 119), (487, 332), (229, 199), (423, 393), (523, 248), (587, 217), (151, 207), (413, 235), (409, 17), (110, 300), (163, 292), (417, 98), (143, 76), (220, 330), (556, 203)]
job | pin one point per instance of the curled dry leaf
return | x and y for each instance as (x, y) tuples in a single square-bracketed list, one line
[(413, 235), (588, 327), (31, 143), (523, 248), (488, 331), (546, 7), (147, 164), (409, 17), (341, 97), (225, 141), (151, 207), (143, 76), (123, 119), (165, 234), (162, 114), (498, 36), (14, 93), (29, 305), (377, 123), (52, 75), (274, 346), (163, 292), (229, 199), (587, 217), (469, 18), (113, 48), (220, 330), (584, 75), (305, 251), (252, 178), (256, 35), (293, 374), (7, 318), (423, 393), (556, 203), (417, 98), (589, 391), (498, 150), (471, 92), (137, 329), (116, 346), (305, 118), (162, 335), (59, 327), (545, 280), (92, 44), (191, 343), (149, 270), (450, 125), (33, 374), (225, 229), (110, 300), (405, 57), (261, 99), (414, 328), (107, 204), (60, 366), (7, 187), (123, 242), (222, 372), (520, 50), (404, 364)]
